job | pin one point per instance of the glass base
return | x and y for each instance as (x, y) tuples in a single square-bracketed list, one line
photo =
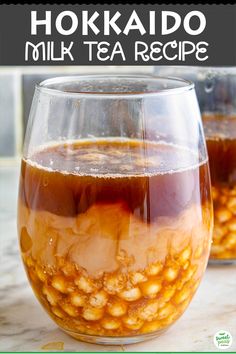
[(223, 261), (114, 340)]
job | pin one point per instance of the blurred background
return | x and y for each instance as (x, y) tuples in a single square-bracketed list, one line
[(16, 93), (215, 88)]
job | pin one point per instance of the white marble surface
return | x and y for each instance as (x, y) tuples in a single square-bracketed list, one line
[(24, 326)]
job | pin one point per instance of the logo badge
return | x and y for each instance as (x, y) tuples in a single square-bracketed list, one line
[(223, 340)]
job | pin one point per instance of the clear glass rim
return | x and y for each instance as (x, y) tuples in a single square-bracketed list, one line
[(44, 86)]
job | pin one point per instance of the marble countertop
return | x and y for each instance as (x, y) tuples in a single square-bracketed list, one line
[(24, 326)]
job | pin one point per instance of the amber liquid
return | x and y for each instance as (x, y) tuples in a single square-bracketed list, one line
[(114, 234), (220, 134)]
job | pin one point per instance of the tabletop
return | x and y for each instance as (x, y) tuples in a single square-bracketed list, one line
[(25, 326)]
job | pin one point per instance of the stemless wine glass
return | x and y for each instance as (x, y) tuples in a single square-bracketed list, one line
[(218, 86), (115, 209), (215, 88)]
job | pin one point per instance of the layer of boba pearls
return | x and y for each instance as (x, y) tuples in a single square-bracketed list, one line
[(118, 304), (224, 234)]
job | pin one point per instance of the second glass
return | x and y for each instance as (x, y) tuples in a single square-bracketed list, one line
[(115, 211), (215, 88)]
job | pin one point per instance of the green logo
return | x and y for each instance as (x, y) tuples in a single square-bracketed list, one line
[(223, 340)]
